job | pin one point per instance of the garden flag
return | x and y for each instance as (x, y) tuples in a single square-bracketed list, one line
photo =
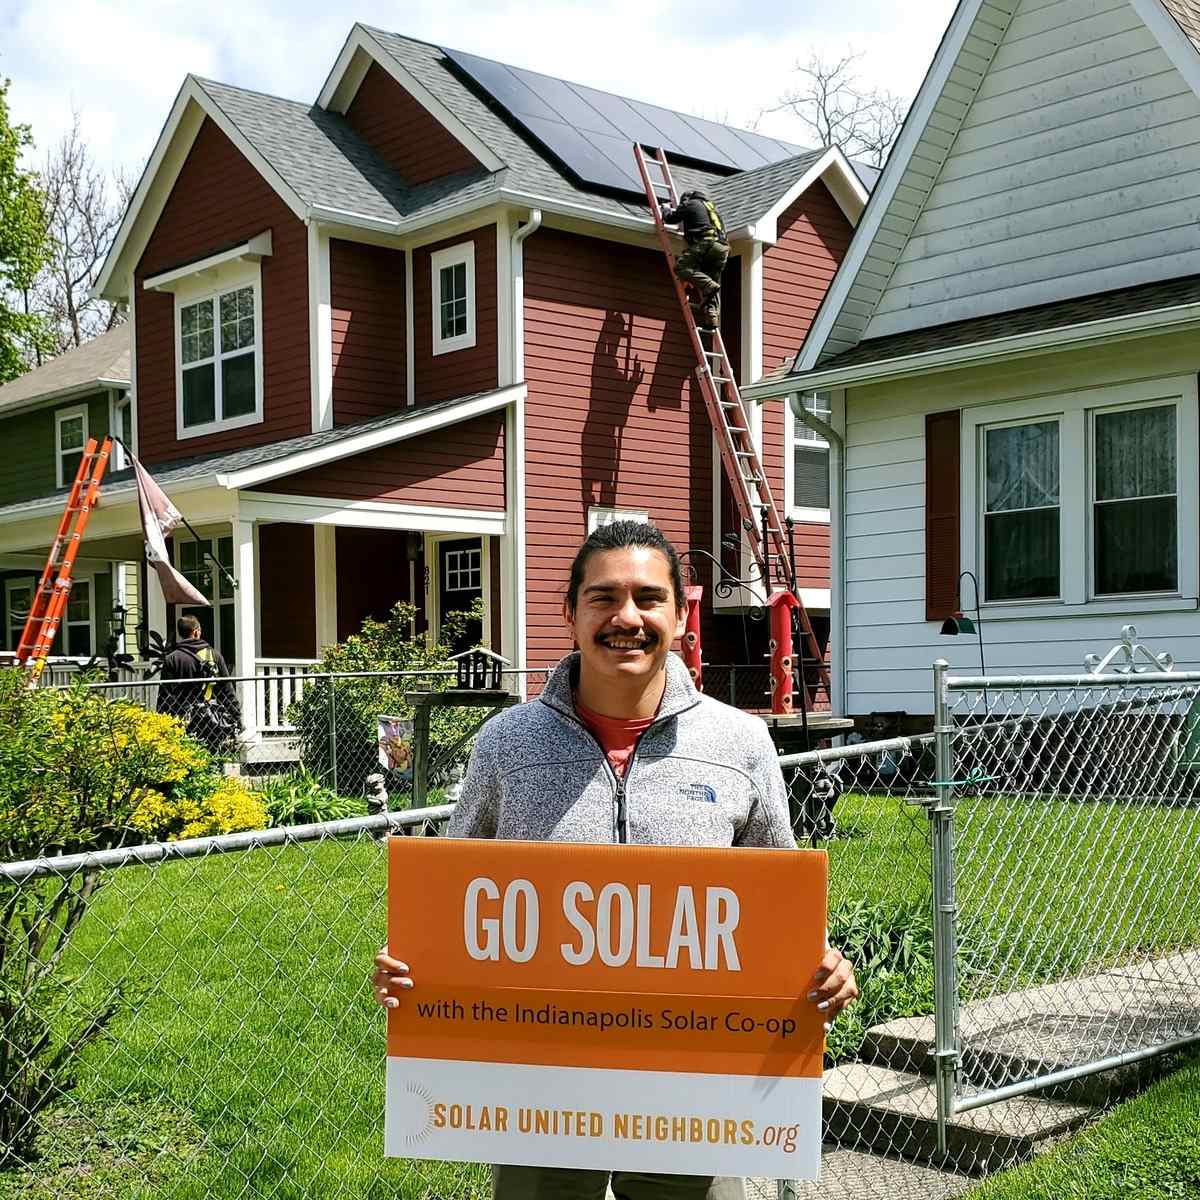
[(159, 517)]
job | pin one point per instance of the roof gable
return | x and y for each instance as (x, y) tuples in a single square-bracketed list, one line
[(99, 363), (1050, 154)]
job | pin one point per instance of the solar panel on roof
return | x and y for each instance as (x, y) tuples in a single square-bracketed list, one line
[(592, 132), (747, 157)]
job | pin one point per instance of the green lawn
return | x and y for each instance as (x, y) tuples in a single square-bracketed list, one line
[(1149, 1148), (254, 1066)]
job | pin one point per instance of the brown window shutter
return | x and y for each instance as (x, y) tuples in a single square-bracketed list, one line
[(942, 473)]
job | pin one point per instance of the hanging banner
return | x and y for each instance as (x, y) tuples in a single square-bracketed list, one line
[(635, 1008)]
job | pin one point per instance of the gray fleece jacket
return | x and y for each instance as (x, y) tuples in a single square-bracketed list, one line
[(704, 774)]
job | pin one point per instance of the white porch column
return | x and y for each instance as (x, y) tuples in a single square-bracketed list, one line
[(325, 563), (156, 605), (245, 607)]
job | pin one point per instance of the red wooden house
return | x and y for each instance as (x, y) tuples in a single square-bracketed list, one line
[(406, 343)]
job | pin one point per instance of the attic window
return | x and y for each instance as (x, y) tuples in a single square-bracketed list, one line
[(453, 278)]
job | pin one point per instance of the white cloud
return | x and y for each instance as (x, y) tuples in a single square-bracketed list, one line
[(120, 64)]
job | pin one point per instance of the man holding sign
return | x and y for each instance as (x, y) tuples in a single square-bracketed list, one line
[(620, 748)]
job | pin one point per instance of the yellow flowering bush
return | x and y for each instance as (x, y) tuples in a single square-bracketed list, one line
[(227, 808), (83, 772)]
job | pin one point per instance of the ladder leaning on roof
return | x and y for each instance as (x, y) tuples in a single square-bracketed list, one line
[(50, 596), (727, 412)]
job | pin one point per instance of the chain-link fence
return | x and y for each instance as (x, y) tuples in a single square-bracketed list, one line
[(1073, 808), (1017, 892)]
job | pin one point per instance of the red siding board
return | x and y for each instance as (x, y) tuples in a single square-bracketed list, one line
[(612, 418), (287, 591), (367, 295), (459, 467), (372, 576), (218, 200), (459, 372), (403, 133)]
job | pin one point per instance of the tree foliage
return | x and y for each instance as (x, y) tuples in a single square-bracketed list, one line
[(24, 249), (838, 109)]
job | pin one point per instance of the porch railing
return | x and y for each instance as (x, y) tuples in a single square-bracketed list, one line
[(279, 682)]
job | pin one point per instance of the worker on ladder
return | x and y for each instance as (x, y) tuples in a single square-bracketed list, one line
[(703, 261)]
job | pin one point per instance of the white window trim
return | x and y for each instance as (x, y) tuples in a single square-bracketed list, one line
[(600, 514), (814, 516), (12, 632), (207, 287), (1073, 410), (117, 400), (452, 256), (62, 415)]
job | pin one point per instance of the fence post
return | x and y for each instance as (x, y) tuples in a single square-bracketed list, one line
[(945, 939), (333, 766)]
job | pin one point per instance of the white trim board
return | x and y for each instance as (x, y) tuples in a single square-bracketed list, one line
[(1107, 331), (371, 439), (253, 250), (371, 514), (834, 169)]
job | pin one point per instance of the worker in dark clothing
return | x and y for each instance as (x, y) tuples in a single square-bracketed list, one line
[(209, 710), (703, 261)]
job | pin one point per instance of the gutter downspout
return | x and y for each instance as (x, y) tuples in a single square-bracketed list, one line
[(837, 518), (514, 434)]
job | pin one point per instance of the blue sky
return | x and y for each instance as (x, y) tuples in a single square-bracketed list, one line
[(119, 64)]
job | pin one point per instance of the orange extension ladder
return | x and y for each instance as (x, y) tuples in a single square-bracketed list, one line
[(50, 598), (727, 412)]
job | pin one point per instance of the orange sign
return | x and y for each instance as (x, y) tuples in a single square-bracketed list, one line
[(579, 978)]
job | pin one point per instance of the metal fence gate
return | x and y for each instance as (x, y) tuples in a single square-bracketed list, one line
[(1066, 879)]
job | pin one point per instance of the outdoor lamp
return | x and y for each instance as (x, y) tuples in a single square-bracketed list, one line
[(958, 623)]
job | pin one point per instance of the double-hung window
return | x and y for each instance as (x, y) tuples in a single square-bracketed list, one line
[(1021, 523), (71, 435), (1135, 501), (453, 278), (1081, 499), (219, 358), (809, 498)]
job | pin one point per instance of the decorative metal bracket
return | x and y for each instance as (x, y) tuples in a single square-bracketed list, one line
[(1128, 657)]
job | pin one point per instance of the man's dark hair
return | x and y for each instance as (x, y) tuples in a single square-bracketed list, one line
[(187, 627), (624, 535)]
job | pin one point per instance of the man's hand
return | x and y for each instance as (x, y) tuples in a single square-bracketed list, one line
[(390, 975), (833, 987)]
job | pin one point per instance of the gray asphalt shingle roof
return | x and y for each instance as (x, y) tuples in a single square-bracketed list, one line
[(1187, 13), (326, 163), (226, 462), (744, 197), (103, 360), (1124, 302)]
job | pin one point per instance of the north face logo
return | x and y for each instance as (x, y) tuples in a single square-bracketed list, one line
[(698, 793)]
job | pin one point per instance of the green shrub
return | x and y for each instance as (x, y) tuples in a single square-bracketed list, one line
[(891, 947), (80, 772), (336, 720), (299, 798)]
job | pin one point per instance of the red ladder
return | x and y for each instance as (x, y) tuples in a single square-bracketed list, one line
[(50, 597), (727, 413)]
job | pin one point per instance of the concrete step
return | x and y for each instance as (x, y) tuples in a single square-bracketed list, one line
[(852, 1175), (1022, 1035), (894, 1113)]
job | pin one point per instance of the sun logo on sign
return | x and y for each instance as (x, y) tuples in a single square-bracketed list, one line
[(415, 1112)]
